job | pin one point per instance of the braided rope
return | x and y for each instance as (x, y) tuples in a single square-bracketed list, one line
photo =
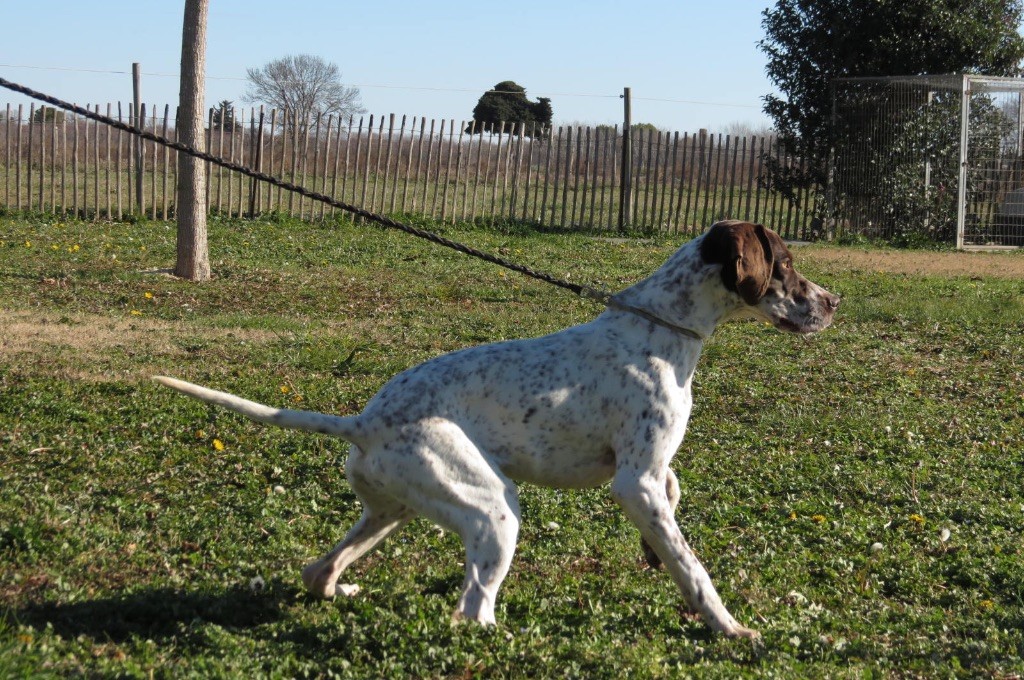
[(587, 292)]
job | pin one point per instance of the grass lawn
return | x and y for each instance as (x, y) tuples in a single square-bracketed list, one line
[(858, 496)]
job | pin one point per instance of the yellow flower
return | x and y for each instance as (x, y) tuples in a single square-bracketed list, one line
[(285, 389), (218, 444), (147, 295), (792, 515), (55, 247), (297, 398), (817, 519), (135, 312), (28, 244), (986, 604), (917, 519)]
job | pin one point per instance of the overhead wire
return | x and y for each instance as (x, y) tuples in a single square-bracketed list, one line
[(420, 88)]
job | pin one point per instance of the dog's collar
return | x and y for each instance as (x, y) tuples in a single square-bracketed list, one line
[(613, 303)]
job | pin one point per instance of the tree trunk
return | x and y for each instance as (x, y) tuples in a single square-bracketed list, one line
[(193, 255)]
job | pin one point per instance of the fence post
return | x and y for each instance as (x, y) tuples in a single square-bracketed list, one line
[(257, 137), (965, 118), (138, 122), (626, 188)]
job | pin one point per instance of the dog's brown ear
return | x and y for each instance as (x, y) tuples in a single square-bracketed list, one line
[(745, 252)]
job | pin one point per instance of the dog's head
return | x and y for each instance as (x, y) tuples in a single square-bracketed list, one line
[(758, 267)]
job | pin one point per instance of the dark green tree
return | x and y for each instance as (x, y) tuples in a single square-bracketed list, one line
[(224, 116), (48, 114), (810, 43), (506, 102)]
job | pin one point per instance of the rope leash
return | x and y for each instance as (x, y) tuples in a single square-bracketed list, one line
[(603, 297)]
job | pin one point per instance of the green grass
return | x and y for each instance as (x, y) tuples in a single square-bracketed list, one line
[(130, 545)]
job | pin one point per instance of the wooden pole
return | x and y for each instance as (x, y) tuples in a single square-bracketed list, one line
[(626, 188), (7, 155), (137, 122), (193, 260), (257, 139)]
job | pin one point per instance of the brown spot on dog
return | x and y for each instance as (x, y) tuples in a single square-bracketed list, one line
[(745, 251)]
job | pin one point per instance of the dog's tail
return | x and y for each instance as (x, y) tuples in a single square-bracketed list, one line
[(339, 426)]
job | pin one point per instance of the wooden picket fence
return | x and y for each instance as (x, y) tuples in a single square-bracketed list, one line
[(566, 177)]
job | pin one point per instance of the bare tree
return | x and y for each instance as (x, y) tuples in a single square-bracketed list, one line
[(304, 84), (193, 254)]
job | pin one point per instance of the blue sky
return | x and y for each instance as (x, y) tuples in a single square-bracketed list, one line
[(690, 63)]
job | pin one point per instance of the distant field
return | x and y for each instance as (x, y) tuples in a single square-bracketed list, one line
[(141, 533)]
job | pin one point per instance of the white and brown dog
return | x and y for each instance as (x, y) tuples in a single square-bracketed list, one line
[(606, 400)]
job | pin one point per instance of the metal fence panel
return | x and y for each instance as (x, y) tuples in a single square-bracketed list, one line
[(935, 156)]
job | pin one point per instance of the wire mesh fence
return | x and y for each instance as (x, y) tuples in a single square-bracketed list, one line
[(934, 156), (566, 177)]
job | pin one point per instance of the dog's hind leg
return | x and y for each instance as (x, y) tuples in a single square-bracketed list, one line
[(489, 534), (451, 482), (382, 515), (321, 576)]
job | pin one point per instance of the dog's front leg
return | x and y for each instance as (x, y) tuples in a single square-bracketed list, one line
[(672, 489), (644, 499)]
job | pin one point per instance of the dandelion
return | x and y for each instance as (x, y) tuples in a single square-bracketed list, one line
[(28, 244), (55, 247), (285, 389), (135, 312), (218, 444), (792, 515), (817, 519), (147, 295), (986, 604), (916, 519)]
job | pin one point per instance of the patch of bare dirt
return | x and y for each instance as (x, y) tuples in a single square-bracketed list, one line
[(1004, 265), (61, 342)]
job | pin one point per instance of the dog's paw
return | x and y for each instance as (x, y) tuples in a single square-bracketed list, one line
[(653, 561), (318, 581), (745, 633), (347, 589)]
